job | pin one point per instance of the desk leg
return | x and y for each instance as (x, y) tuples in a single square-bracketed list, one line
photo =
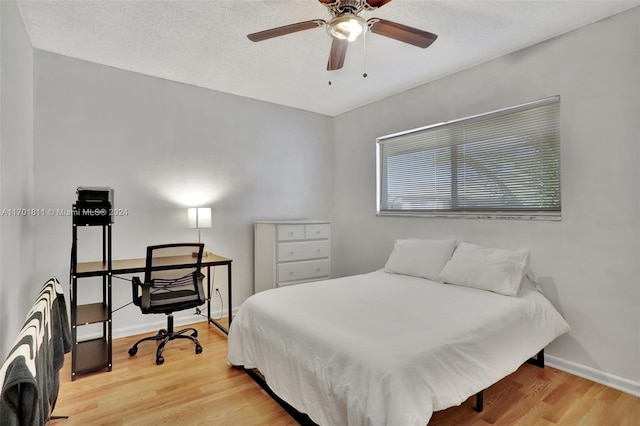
[(211, 320), (229, 291), (208, 293)]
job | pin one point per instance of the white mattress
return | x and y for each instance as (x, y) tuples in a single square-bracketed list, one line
[(386, 349)]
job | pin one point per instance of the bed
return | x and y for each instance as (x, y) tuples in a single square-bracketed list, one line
[(389, 348)]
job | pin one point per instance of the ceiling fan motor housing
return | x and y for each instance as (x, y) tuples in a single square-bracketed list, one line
[(340, 7)]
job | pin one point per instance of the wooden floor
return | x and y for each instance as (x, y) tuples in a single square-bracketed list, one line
[(190, 389)]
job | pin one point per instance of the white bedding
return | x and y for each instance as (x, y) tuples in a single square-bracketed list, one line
[(386, 349)]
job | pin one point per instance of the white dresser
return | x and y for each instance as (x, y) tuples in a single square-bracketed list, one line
[(291, 252)]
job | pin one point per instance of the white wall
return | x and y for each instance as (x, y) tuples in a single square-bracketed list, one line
[(17, 285), (588, 262), (165, 146)]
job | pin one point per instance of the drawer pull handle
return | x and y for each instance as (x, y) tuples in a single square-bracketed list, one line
[(317, 269)]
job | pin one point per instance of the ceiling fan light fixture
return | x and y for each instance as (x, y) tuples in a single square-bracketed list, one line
[(346, 27)]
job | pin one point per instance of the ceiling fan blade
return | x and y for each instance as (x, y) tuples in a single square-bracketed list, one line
[(377, 3), (337, 55), (401, 32), (286, 29)]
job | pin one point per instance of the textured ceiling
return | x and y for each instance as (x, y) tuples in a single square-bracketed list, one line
[(204, 43)]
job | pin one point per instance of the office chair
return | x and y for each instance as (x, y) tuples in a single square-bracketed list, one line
[(167, 289)]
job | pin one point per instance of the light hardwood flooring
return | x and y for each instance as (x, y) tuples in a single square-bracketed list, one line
[(190, 389)]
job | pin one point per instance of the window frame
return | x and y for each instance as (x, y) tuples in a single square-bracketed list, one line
[(529, 214)]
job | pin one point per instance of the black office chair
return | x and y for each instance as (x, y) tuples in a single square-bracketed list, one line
[(167, 289)]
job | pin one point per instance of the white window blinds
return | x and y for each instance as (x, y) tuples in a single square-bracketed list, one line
[(505, 162)]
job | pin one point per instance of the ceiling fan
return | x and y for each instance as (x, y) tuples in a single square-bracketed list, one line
[(347, 25)]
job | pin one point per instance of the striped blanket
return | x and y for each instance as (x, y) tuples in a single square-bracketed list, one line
[(29, 377)]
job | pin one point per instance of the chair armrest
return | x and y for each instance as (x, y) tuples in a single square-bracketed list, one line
[(142, 300), (197, 281), (145, 300), (135, 285)]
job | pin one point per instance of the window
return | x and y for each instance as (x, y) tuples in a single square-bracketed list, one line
[(502, 163)]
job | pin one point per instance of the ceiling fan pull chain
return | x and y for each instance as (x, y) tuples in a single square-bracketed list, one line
[(364, 54)]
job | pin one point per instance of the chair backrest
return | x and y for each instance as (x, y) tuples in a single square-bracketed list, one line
[(187, 255)]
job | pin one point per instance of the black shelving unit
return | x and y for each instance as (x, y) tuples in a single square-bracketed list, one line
[(94, 354)]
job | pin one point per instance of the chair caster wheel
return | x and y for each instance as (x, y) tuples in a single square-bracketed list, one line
[(133, 351), (194, 334), (160, 360), (162, 332), (198, 349)]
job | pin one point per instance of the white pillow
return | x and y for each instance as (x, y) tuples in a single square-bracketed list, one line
[(497, 270), (420, 258)]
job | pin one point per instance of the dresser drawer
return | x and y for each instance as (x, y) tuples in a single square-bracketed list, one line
[(303, 250), (290, 232), (317, 231), (310, 269)]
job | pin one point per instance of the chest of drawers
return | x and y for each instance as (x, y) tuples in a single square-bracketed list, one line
[(291, 252)]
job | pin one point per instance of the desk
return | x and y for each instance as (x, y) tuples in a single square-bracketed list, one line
[(133, 266)]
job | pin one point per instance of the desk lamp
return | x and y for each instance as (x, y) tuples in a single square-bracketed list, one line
[(199, 217)]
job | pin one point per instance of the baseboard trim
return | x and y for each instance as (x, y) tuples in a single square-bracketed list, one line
[(157, 325), (162, 323), (598, 376)]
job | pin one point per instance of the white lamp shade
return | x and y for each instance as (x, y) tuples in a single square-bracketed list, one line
[(199, 217)]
